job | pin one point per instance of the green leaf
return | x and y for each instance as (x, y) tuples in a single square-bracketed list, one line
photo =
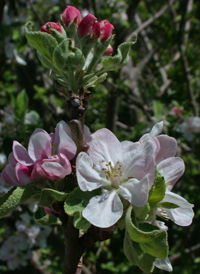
[(21, 105), (168, 205), (95, 80), (48, 196), (15, 197), (120, 59), (80, 222), (45, 43), (45, 62), (151, 240), (137, 256), (41, 218), (68, 58), (77, 200), (157, 191)]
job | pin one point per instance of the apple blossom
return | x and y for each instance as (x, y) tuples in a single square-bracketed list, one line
[(171, 168), (117, 171), (47, 156)]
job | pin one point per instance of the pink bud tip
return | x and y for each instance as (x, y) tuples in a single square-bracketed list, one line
[(105, 30), (71, 14), (47, 210), (51, 25), (108, 51), (89, 26)]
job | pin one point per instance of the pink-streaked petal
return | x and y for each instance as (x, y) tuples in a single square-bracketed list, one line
[(21, 154), (171, 169), (168, 148), (104, 210), (38, 130), (9, 176), (39, 146), (54, 170), (136, 192), (163, 264), (37, 172), (23, 174), (87, 134), (63, 140), (88, 178), (11, 159), (104, 146)]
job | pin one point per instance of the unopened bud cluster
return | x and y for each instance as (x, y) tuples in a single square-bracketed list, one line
[(77, 50)]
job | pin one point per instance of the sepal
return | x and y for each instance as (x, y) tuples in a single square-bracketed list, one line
[(157, 191)]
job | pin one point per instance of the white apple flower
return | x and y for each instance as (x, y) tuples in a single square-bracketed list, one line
[(118, 170)]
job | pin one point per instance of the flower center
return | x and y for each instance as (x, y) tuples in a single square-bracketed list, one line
[(113, 174), (53, 149)]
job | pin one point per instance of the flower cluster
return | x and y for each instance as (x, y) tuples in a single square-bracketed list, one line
[(139, 175), (47, 156)]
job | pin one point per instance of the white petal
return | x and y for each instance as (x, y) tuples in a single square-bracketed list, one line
[(168, 148), (136, 192), (104, 146), (171, 169), (157, 129), (182, 215), (163, 264), (176, 199), (88, 178), (137, 163), (104, 210)]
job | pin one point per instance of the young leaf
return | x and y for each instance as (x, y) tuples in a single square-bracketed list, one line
[(151, 240), (77, 200), (80, 222), (137, 256), (121, 58), (157, 191), (42, 41), (48, 196), (15, 197), (21, 105), (41, 218), (168, 205)]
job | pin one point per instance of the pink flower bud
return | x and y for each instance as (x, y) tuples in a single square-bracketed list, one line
[(106, 30), (178, 111), (89, 25), (51, 25), (71, 14), (47, 210), (108, 51)]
